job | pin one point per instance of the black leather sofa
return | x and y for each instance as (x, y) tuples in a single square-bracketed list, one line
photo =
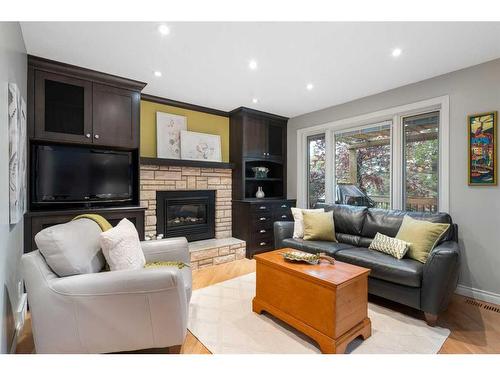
[(427, 287)]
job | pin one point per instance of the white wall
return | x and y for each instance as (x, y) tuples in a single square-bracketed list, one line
[(13, 68), (475, 209)]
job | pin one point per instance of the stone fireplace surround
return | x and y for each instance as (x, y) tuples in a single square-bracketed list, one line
[(163, 178)]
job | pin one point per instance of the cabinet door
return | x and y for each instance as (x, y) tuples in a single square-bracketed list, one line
[(115, 116), (275, 139), (254, 137), (63, 108)]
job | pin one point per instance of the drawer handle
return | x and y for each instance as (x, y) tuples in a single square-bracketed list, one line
[(262, 219), (262, 243), (262, 231), (283, 216), (262, 207), (284, 206)]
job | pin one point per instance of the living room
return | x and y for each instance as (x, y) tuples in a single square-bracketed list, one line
[(222, 187)]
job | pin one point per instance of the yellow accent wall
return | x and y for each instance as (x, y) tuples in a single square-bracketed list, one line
[(196, 121)]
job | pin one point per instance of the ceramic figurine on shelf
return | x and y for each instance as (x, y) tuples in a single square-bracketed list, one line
[(260, 193)]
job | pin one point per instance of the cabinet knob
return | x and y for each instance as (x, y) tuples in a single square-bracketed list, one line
[(262, 219), (262, 231), (283, 216), (96, 136), (262, 207), (284, 206), (262, 243), (87, 135)]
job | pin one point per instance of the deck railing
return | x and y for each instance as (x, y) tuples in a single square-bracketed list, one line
[(422, 204)]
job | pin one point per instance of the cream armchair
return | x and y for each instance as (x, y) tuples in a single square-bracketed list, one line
[(110, 311)]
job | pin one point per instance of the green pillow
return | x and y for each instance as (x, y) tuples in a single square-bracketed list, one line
[(319, 226), (422, 236)]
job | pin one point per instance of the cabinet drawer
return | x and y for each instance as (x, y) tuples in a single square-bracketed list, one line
[(283, 217), (261, 218), (262, 243), (264, 207)]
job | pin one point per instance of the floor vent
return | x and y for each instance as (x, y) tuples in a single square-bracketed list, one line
[(483, 305)]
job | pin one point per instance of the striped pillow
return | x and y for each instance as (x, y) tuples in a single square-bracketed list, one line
[(388, 245)]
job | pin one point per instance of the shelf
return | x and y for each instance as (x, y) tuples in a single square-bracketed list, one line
[(186, 163), (263, 179)]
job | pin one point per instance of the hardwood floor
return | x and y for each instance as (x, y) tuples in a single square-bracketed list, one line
[(474, 328)]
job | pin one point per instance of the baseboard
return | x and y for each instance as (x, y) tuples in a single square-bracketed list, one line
[(479, 294)]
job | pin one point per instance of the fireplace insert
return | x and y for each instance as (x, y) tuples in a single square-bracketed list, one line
[(189, 214)]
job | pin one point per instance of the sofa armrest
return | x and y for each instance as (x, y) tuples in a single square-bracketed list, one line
[(166, 250), (119, 282), (440, 277), (282, 230)]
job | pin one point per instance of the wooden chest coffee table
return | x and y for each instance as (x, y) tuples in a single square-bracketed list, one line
[(327, 302)]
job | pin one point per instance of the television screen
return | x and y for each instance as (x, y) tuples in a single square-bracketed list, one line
[(76, 174)]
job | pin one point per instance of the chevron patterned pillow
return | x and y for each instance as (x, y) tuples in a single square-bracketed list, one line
[(392, 246)]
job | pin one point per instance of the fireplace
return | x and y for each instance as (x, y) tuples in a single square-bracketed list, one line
[(189, 214)]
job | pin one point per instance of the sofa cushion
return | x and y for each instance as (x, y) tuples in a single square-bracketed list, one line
[(385, 267), (72, 248), (388, 221), (350, 239), (315, 246), (348, 219)]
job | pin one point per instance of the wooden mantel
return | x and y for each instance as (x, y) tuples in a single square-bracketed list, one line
[(186, 163)]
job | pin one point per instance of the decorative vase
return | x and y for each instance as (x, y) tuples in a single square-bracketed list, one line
[(260, 193)]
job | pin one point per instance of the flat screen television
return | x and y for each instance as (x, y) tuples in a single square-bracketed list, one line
[(68, 174)]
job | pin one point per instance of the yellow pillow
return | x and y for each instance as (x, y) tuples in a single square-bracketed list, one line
[(422, 235), (319, 226)]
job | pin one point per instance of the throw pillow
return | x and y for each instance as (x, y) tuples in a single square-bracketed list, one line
[(319, 226), (298, 227), (71, 248), (392, 246), (422, 235), (122, 248)]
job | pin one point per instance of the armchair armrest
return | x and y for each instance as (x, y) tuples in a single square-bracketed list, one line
[(119, 282), (440, 277), (282, 230), (167, 250)]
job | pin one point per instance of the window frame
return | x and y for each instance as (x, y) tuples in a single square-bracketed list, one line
[(308, 166), (396, 114)]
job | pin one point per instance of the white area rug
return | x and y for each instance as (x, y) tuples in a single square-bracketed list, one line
[(221, 318)]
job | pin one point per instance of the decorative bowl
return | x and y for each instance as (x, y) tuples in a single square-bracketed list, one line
[(301, 256), (260, 172)]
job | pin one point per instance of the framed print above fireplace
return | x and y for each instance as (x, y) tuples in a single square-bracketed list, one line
[(482, 149)]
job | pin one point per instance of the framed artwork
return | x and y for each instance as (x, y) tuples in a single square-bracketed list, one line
[(482, 149), (17, 154), (168, 135), (200, 146)]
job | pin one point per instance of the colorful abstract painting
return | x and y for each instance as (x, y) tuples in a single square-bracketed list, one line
[(482, 132)]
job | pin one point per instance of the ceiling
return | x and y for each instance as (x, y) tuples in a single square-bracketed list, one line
[(207, 63)]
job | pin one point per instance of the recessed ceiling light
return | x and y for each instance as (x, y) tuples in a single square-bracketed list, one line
[(253, 64), (157, 73), (255, 100), (309, 86), (164, 29), (396, 52)]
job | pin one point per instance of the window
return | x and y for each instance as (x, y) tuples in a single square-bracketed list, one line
[(363, 166), (393, 158), (316, 159), (421, 162)]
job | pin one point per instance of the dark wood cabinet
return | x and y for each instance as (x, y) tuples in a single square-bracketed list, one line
[(36, 221), (115, 116), (63, 108), (77, 105), (258, 139), (70, 105), (253, 221)]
